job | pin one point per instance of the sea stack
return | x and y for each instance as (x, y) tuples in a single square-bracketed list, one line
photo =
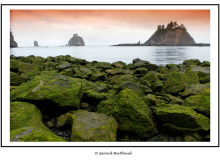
[(12, 41), (172, 35), (36, 44), (76, 41)]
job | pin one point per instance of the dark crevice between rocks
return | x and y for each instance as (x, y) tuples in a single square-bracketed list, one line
[(64, 132), (14, 70), (50, 109)]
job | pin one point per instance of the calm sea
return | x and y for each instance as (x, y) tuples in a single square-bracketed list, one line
[(159, 55)]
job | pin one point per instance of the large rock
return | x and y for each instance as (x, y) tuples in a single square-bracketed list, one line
[(132, 114), (179, 120), (15, 79), (30, 134), (93, 127), (195, 89), (200, 103), (76, 41), (12, 41), (168, 36), (115, 71), (89, 126), (178, 81), (23, 114), (49, 87)]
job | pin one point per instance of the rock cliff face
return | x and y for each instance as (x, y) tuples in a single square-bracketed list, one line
[(76, 41), (170, 36), (12, 41)]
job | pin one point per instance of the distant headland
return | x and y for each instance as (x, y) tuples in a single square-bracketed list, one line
[(172, 35)]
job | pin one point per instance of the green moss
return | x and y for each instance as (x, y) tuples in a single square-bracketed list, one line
[(93, 97), (119, 64), (133, 115), (93, 127), (195, 89), (118, 79), (63, 90), (26, 67), (191, 62), (14, 64), (27, 134), (23, 114), (15, 79), (178, 81), (181, 120), (151, 100), (118, 71), (103, 65), (200, 103)]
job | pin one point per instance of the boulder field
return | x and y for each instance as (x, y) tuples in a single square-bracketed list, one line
[(67, 99)]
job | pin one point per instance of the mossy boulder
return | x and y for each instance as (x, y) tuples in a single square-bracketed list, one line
[(49, 65), (157, 86), (119, 64), (115, 71), (118, 79), (191, 62), (30, 134), (78, 74), (200, 103), (181, 120), (98, 76), (93, 127), (178, 81), (163, 69), (152, 100), (205, 70), (140, 72), (205, 64), (93, 97), (140, 64), (15, 79), (27, 67), (103, 65), (151, 67), (174, 99), (173, 67), (14, 65), (67, 72), (23, 114), (151, 76), (195, 89), (63, 66), (55, 88), (132, 114), (203, 78)]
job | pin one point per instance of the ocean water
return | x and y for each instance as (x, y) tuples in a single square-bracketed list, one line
[(160, 55)]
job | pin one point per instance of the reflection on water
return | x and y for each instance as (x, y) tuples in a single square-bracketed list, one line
[(160, 55), (169, 55)]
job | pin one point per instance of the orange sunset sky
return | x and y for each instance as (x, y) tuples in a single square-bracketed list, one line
[(102, 27)]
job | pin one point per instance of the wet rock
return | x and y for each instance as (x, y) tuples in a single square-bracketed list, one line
[(180, 120), (93, 127), (29, 134)]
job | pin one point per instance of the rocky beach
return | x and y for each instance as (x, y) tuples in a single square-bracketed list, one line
[(67, 99)]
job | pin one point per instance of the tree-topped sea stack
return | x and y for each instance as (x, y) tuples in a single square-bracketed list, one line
[(76, 41), (173, 35)]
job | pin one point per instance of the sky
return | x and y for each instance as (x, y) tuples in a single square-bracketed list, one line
[(102, 27)]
